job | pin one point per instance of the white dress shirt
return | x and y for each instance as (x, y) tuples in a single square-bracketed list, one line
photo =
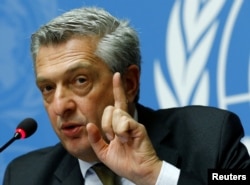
[(169, 175)]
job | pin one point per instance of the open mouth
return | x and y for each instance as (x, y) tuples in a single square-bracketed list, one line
[(71, 130)]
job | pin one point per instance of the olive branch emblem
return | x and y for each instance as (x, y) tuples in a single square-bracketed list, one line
[(190, 34)]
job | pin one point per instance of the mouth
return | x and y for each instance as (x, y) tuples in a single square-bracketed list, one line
[(72, 130)]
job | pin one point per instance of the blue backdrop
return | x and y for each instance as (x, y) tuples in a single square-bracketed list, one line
[(194, 52)]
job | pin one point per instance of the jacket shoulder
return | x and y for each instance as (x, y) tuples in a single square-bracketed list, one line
[(194, 114), (38, 166), (42, 154)]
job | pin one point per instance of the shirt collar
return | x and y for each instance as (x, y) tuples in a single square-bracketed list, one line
[(84, 166)]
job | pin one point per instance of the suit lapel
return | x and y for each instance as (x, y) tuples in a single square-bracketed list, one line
[(156, 124), (68, 172)]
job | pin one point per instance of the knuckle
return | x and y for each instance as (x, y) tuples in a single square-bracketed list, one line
[(109, 108)]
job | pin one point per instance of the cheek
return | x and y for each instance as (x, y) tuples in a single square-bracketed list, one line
[(93, 105), (91, 108), (105, 98)]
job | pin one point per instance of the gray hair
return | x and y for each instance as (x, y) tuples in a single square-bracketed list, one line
[(118, 44)]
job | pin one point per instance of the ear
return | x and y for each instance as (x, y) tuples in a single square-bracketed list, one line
[(131, 79)]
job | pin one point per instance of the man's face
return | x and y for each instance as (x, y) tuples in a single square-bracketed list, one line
[(76, 87)]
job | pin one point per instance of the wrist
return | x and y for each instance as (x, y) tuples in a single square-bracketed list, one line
[(149, 175)]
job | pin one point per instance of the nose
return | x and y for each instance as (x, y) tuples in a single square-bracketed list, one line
[(63, 102)]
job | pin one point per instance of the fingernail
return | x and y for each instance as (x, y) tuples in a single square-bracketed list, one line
[(109, 136)]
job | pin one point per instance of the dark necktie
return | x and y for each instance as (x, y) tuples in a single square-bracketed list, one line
[(106, 176)]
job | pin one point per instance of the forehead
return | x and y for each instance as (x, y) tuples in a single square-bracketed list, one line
[(63, 55)]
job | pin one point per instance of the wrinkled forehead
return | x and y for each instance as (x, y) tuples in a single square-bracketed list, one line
[(73, 49), (75, 52)]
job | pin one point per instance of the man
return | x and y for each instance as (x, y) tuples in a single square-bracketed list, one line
[(87, 67)]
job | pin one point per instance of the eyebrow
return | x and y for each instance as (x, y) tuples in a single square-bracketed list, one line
[(77, 66), (71, 69)]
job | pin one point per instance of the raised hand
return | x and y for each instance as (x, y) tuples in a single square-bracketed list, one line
[(129, 153)]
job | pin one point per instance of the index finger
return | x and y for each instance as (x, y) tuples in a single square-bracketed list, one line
[(119, 92)]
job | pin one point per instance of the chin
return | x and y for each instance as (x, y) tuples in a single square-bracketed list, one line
[(81, 150)]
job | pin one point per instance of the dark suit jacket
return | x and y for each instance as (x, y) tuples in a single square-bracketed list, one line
[(193, 138)]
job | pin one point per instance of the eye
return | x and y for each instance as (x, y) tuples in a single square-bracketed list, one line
[(80, 84), (46, 89), (80, 80)]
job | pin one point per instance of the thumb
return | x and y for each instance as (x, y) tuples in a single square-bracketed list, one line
[(96, 140)]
